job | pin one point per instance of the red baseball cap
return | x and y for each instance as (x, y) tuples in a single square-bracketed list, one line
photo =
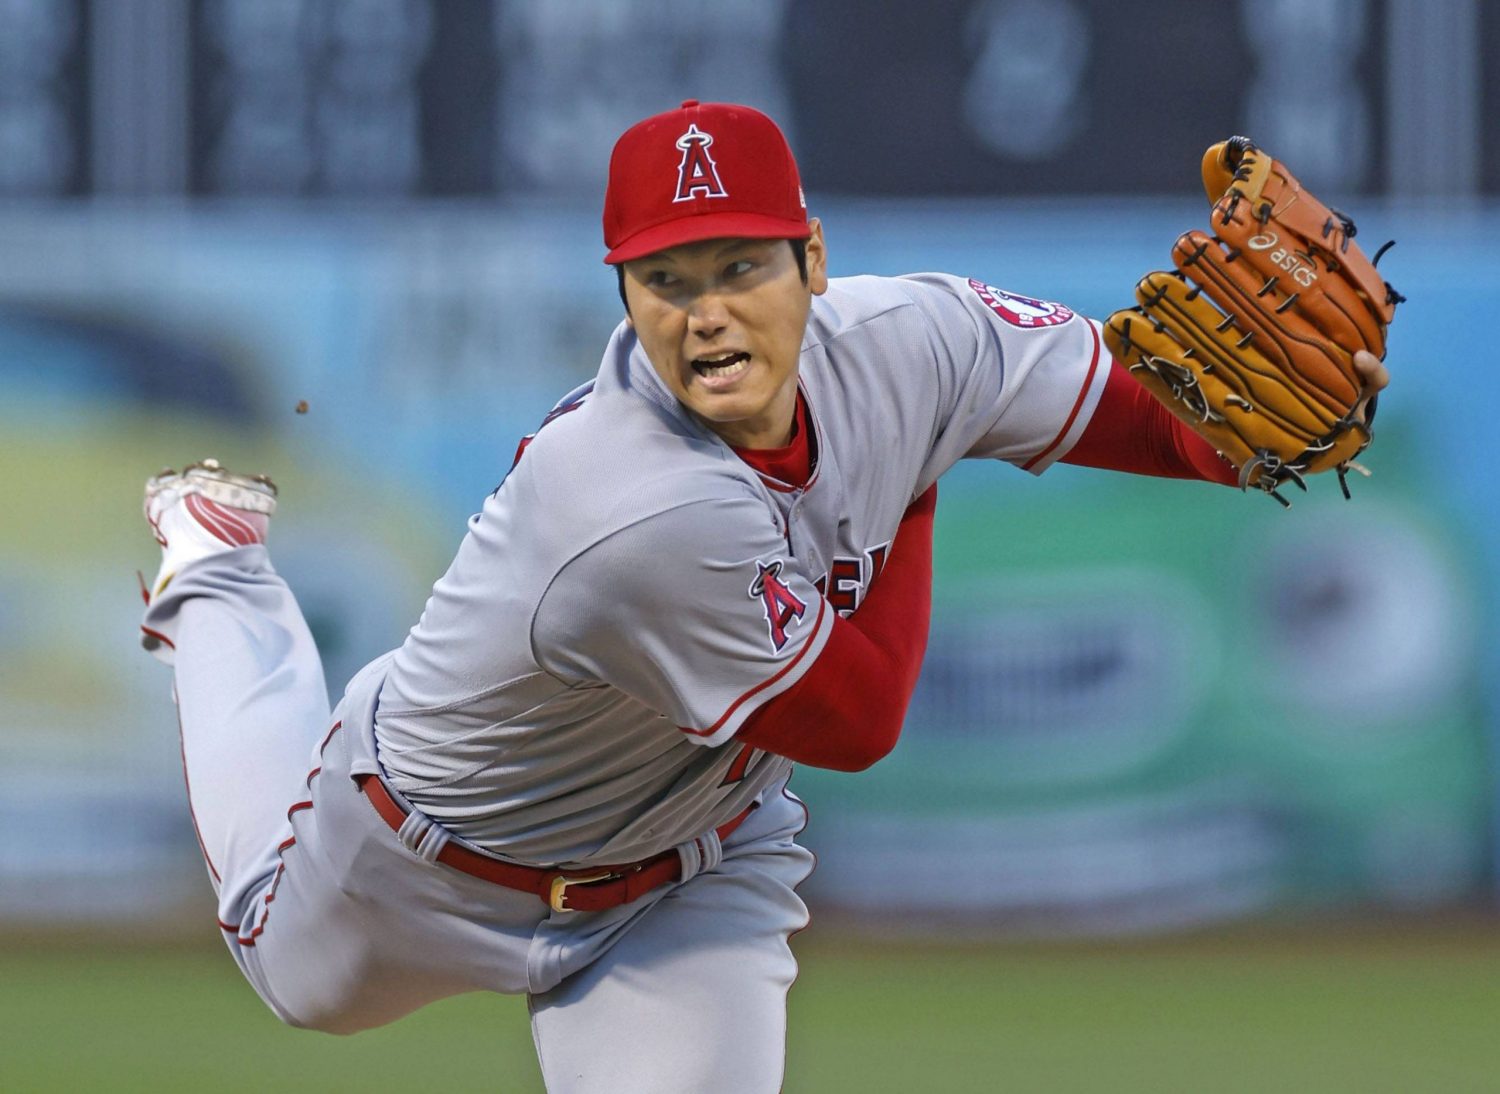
[(702, 171)]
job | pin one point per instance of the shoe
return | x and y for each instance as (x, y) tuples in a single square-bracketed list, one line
[(204, 510)]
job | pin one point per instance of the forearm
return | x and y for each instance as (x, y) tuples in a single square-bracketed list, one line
[(1131, 431), (847, 710)]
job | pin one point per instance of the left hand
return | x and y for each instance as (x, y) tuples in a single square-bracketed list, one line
[(1375, 375)]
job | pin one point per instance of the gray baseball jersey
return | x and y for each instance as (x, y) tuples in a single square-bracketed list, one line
[(633, 591), (628, 596)]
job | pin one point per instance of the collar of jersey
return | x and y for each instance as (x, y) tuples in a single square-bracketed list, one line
[(810, 436), (639, 376)]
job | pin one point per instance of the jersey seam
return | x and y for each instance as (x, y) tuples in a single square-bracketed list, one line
[(841, 332), (450, 707), (982, 330), (531, 642)]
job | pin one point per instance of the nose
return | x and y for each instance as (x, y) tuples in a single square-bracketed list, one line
[(707, 315)]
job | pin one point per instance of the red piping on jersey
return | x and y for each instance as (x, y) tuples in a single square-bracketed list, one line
[(163, 639), (773, 483), (281, 849), (188, 786), (1077, 405), (734, 706)]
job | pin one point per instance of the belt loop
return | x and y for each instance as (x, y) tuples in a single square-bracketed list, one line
[(422, 836), (712, 850), (691, 854), (699, 854)]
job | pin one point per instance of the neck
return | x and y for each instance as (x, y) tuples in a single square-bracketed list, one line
[(770, 429)]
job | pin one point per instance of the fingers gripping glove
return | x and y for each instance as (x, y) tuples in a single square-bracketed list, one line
[(1251, 339)]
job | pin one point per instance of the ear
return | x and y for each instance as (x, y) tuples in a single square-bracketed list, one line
[(817, 259)]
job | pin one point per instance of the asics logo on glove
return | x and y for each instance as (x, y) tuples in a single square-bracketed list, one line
[(1303, 271)]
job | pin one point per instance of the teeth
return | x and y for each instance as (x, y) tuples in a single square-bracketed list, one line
[(723, 370), (725, 365)]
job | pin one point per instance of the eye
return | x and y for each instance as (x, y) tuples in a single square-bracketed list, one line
[(660, 279), (739, 269)]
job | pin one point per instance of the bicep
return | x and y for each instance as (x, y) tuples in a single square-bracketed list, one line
[(1015, 378)]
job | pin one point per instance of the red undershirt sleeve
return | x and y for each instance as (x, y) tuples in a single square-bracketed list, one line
[(1131, 431), (847, 710)]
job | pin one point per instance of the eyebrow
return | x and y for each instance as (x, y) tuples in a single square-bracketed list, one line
[(742, 243), (729, 247)]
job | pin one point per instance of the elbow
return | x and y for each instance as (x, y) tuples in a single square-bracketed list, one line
[(867, 753)]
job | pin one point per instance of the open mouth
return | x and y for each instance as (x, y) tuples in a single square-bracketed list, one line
[(726, 364)]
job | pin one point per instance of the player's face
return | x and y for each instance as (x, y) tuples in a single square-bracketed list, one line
[(722, 322)]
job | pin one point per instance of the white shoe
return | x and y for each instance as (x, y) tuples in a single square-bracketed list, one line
[(201, 511)]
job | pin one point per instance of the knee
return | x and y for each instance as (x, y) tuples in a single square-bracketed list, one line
[(338, 1017), (321, 1011), (341, 1012), (339, 1023)]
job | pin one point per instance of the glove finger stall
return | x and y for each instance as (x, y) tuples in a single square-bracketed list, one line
[(1260, 304), (1223, 352), (1157, 362), (1324, 297)]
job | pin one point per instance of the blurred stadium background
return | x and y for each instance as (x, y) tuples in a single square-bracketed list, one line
[(1195, 794)]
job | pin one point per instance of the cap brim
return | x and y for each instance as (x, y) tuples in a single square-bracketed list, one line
[(694, 229)]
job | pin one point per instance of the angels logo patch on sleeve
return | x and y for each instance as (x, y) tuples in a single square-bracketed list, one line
[(1025, 312), (782, 606)]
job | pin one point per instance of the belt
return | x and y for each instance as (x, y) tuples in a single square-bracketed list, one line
[(589, 890)]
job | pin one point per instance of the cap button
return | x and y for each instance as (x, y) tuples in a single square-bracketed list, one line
[(688, 104)]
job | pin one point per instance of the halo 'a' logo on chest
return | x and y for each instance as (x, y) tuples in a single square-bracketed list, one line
[(782, 606), (697, 174)]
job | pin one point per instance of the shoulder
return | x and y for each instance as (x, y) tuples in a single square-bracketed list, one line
[(852, 304), (614, 462)]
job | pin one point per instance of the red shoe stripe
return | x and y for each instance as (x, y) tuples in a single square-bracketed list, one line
[(206, 519), (222, 522), (240, 529), (235, 520)]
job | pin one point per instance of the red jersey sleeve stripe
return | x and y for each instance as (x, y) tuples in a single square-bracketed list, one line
[(1083, 391), (764, 684)]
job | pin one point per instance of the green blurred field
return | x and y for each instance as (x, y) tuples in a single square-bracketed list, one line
[(1391, 1007)]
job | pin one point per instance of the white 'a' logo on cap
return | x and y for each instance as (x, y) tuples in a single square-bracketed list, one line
[(697, 173)]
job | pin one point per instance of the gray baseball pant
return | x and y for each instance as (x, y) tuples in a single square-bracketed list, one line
[(340, 925)]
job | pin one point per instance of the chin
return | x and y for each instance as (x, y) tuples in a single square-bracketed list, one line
[(726, 409)]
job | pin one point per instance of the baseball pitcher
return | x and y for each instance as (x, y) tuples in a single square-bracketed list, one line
[(710, 563)]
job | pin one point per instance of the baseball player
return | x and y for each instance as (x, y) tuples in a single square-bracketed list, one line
[(709, 563)]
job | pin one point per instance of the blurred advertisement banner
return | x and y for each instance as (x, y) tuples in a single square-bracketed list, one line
[(1141, 710), (1145, 703)]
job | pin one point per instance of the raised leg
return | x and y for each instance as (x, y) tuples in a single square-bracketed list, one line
[(252, 703)]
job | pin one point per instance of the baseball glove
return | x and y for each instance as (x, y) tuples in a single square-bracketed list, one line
[(1251, 339)]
